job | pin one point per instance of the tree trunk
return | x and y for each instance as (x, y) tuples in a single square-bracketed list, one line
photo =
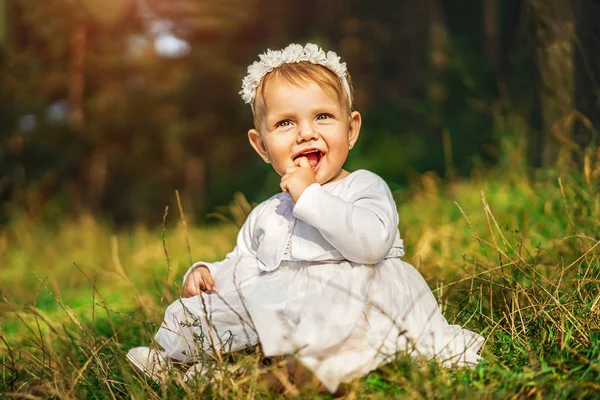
[(76, 76), (586, 58), (554, 32), (536, 141), (3, 23)]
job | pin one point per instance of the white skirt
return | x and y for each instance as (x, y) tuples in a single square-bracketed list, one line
[(341, 319)]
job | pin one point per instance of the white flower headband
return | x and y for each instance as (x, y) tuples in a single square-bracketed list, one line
[(292, 54)]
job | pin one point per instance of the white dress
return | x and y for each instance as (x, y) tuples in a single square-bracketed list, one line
[(321, 279)]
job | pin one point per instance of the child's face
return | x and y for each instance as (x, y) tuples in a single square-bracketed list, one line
[(305, 121)]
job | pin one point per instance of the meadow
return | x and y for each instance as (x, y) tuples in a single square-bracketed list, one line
[(512, 257)]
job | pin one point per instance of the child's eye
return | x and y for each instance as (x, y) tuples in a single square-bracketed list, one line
[(323, 116), (285, 122)]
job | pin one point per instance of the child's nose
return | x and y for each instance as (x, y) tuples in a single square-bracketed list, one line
[(307, 133)]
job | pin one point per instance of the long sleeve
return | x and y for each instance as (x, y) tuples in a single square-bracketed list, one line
[(362, 227), (246, 244)]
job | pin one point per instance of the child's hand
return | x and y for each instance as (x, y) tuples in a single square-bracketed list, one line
[(298, 178), (198, 281)]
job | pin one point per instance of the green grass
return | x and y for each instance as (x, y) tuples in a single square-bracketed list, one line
[(516, 261)]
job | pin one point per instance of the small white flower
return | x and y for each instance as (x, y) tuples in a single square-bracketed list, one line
[(333, 63), (310, 52), (255, 68), (292, 53), (271, 59)]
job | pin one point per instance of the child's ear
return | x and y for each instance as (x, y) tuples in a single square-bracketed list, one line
[(257, 143), (354, 127)]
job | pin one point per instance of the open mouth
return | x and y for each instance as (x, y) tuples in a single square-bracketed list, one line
[(314, 157)]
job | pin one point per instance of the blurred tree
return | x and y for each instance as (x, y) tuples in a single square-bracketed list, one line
[(587, 72), (3, 23), (109, 12), (564, 42), (553, 28)]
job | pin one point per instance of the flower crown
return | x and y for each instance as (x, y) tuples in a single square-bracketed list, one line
[(292, 54)]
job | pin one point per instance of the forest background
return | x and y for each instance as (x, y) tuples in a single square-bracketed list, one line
[(109, 107)]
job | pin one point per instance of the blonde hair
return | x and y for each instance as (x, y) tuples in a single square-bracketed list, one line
[(298, 74)]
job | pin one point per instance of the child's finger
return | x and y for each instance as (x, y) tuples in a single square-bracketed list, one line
[(189, 290), (303, 162), (210, 284), (283, 186)]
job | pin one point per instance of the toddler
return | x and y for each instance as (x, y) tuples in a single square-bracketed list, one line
[(317, 269)]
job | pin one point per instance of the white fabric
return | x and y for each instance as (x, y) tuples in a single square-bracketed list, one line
[(342, 300)]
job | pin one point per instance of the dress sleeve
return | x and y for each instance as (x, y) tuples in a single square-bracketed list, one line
[(246, 244), (363, 227)]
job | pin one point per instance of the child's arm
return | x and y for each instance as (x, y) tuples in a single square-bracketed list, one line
[(246, 245), (362, 228)]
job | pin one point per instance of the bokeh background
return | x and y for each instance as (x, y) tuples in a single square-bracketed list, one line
[(108, 107)]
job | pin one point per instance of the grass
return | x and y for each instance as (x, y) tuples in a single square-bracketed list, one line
[(516, 261)]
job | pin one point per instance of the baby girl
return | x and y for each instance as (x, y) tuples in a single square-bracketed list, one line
[(317, 271)]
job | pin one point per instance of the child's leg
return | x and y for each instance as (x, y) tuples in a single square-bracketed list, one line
[(153, 363), (218, 322), (205, 324)]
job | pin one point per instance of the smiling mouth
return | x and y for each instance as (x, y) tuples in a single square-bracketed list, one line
[(314, 157)]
